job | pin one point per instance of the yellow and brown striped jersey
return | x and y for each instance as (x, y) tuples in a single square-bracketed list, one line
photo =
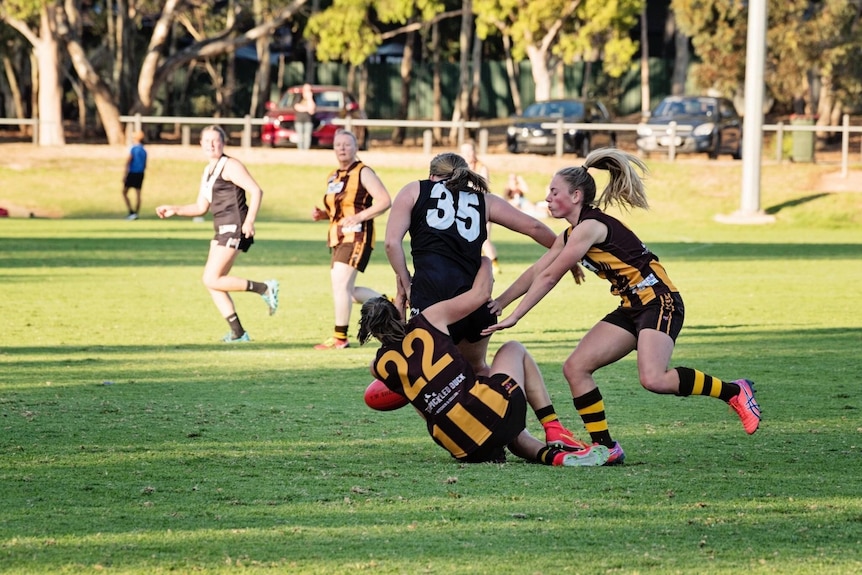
[(635, 274), (460, 409), (346, 196)]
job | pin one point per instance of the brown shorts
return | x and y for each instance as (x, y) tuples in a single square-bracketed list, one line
[(514, 422), (231, 237), (354, 254), (665, 313)]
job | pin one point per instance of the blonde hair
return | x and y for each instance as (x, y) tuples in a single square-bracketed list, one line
[(626, 187), (453, 169), (218, 130)]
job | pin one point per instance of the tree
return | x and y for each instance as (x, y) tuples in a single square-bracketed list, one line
[(817, 39), (35, 21), (568, 29)]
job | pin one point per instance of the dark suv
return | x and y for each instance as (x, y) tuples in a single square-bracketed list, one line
[(527, 135), (703, 124), (332, 102)]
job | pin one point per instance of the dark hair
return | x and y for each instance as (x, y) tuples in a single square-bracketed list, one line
[(626, 187), (380, 318), (453, 168)]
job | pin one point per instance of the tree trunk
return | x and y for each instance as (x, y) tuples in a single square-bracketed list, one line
[(50, 96), (680, 61), (513, 74), (150, 66), (436, 83), (462, 102), (476, 80), (15, 92), (541, 75), (406, 77), (109, 115), (645, 91)]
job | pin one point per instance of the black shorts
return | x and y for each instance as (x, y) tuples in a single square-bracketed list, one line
[(354, 254), (230, 236), (513, 423), (665, 313), (134, 180)]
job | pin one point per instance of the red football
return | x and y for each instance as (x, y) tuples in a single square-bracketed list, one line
[(381, 398)]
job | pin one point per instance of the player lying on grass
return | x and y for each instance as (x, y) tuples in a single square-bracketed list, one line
[(650, 313), (474, 417)]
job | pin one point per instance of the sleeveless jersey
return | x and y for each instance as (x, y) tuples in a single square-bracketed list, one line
[(460, 410), (346, 196), (635, 273), (446, 235), (227, 200)]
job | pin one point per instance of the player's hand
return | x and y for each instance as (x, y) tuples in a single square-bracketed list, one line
[(317, 214), (494, 307), (506, 323), (578, 274), (248, 229), (165, 211)]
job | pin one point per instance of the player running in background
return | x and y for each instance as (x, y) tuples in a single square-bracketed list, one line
[(474, 417), (650, 315), (224, 185)]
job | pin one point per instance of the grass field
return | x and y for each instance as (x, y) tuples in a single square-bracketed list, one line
[(133, 441)]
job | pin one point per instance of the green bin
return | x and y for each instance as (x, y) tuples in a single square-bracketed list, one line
[(803, 141)]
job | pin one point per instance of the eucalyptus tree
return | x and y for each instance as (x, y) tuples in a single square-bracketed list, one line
[(806, 39), (35, 21), (563, 30)]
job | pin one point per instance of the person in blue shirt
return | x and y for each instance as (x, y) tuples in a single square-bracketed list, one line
[(136, 165)]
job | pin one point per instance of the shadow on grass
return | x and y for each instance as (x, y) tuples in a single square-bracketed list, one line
[(147, 251)]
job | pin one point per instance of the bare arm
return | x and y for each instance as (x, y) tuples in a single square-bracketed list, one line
[(396, 230), (199, 208), (550, 268), (502, 212)]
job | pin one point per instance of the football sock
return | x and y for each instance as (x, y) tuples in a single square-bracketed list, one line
[(256, 287), (235, 326), (693, 382), (591, 408), (550, 456), (547, 415), (340, 332)]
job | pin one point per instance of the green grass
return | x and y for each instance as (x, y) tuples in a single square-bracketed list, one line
[(132, 441)]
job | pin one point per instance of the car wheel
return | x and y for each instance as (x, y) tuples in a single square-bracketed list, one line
[(716, 148), (613, 143), (512, 145), (737, 155), (363, 145)]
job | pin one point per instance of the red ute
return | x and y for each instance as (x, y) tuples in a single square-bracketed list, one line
[(332, 102)]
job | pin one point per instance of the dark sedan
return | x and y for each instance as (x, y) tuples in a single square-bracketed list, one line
[(703, 125), (527, 135)]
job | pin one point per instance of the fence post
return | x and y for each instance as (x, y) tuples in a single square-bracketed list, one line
[(36, 132), (845, 143), (246, 132), (671, 150), (427, 142), (779, 142), (186, 135), (138, 122), (559, 138), (483, 141)]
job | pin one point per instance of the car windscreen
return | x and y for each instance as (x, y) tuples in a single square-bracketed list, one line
[(685, 107)]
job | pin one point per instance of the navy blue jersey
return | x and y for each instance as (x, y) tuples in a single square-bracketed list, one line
[(447, 231)]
